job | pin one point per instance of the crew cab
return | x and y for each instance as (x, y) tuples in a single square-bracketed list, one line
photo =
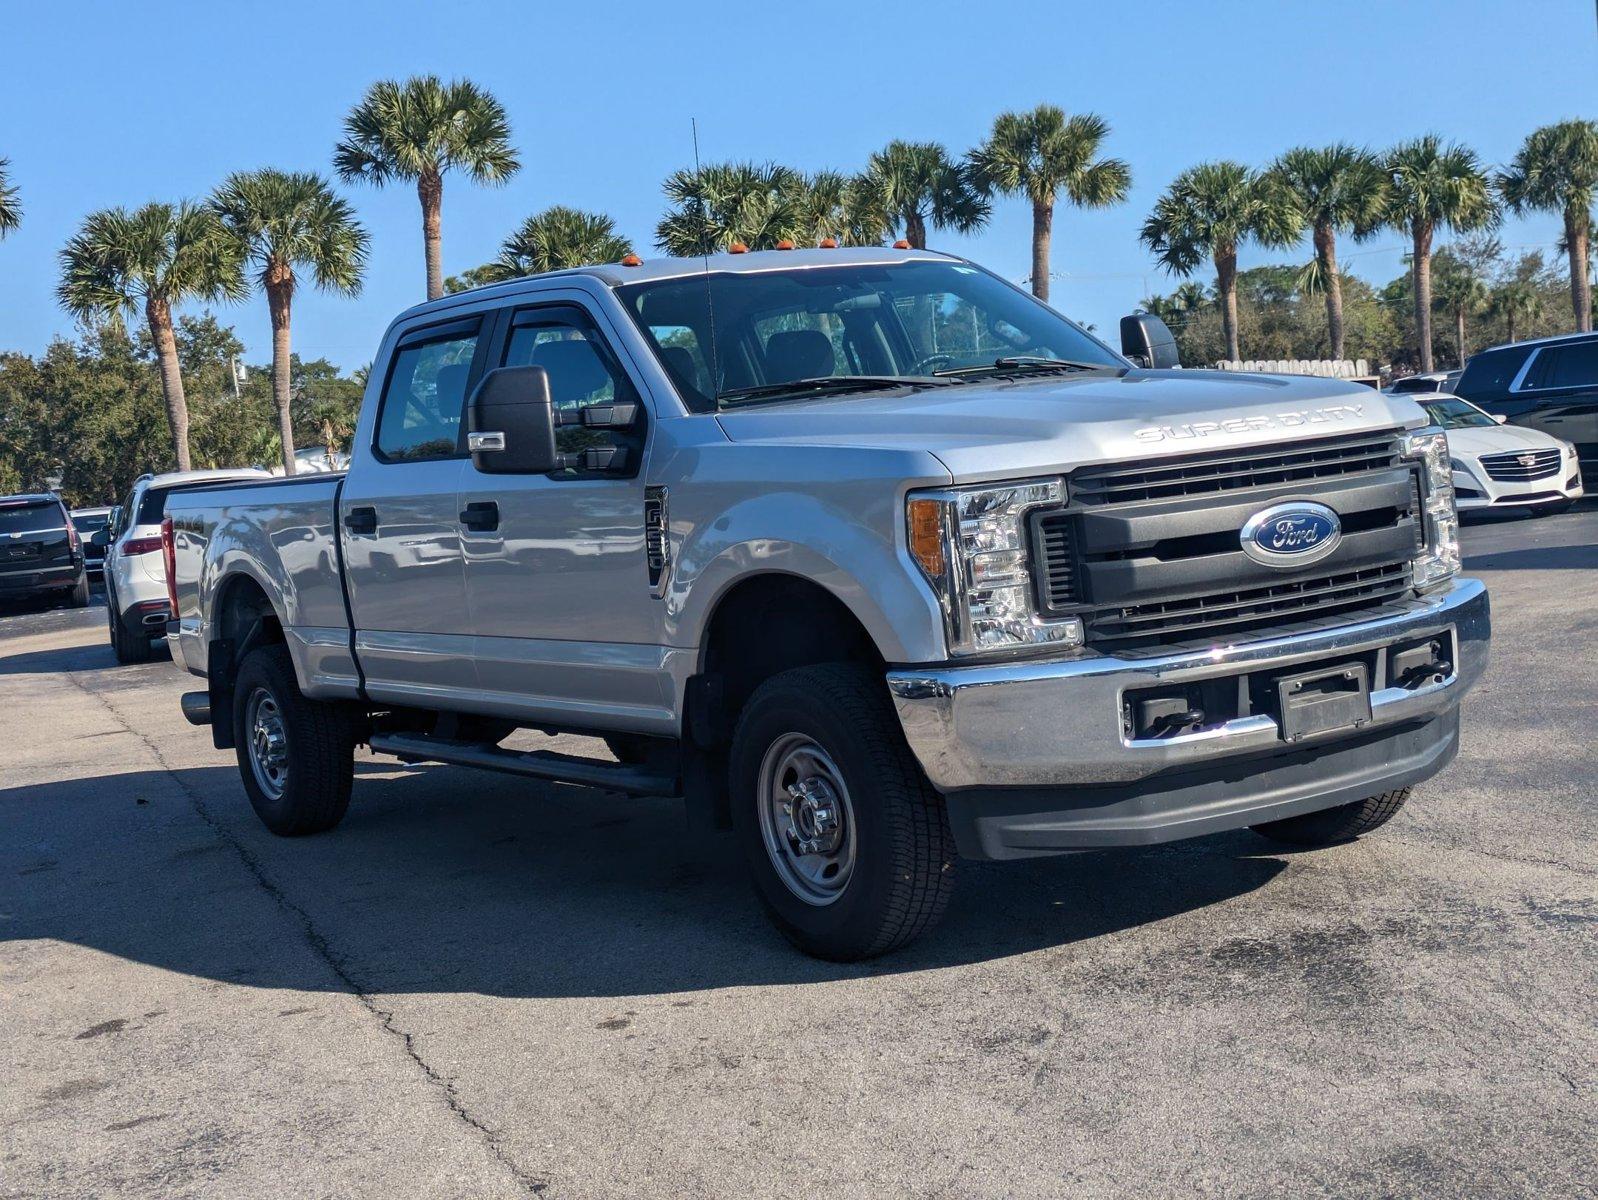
[(865, 553)]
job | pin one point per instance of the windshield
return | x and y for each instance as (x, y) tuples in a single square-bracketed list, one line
[(1453, 413), (906, 322), (87, 523), (30, 518)]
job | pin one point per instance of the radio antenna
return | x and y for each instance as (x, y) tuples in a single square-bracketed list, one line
[(704, 245)]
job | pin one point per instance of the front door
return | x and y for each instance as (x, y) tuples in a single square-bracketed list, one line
[(399, 516), (556, 573)]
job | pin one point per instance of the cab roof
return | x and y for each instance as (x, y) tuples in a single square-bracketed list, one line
[(653, 270)]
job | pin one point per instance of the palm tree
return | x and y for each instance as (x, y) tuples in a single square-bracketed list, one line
[(1210, 210), (1519, 302), (1038, 154), (1557, 171), (1461, 293), (10, 206), (1434, 186), (283, 220), (555, 239), (1338, 187), (918, 184), (153, 258), (849, 209), (420, 130), (712, 207)]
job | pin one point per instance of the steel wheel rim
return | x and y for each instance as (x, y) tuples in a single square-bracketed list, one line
[(807, 820), (267, 738)]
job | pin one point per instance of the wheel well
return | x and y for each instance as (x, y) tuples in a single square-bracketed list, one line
[(773, 623), (244, 619)]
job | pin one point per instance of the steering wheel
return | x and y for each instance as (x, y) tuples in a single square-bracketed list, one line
[(930, 363)]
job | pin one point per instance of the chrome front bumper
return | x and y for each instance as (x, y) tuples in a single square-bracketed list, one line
[(1059, 723)]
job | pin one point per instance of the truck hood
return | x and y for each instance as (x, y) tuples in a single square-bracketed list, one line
[(1036, 426)]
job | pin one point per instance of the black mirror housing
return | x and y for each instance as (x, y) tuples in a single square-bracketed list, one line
[(1147, 341), (510, 423), (100, 538)]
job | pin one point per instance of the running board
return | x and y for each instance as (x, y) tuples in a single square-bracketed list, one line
[(537, 764)]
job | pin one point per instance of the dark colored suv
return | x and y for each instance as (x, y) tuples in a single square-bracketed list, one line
[(40, 552), (1550, 384)]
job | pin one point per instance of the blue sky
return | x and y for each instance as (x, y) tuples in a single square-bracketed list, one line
[(106, 104)]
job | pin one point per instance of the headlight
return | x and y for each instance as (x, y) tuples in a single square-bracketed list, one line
[(972, 545), (1438, 560)]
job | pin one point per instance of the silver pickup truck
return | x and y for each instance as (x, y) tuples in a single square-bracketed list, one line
[(865, 553)]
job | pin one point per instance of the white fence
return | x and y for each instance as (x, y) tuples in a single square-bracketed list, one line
[(1327, 368)]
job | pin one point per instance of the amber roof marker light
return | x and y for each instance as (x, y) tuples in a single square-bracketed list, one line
[(737, 248), (631, 260), (784, 244), (828, 243), (901, 244)]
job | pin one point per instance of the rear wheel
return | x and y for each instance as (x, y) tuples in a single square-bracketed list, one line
[(848, 844), (1340, 824), (80, 594), (296, 755), (128, 648)]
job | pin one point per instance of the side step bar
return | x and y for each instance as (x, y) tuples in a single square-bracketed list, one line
[(537, 764)]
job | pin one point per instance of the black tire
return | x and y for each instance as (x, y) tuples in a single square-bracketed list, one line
[(128, 648), (80, 593), (901, 874), (1332, 825), (317, 748)]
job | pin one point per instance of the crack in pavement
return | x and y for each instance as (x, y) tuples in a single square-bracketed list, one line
[(530, 1183)]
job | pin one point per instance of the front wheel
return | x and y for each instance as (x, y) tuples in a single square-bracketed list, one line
[(848, 844), (297, 755), (1340, 824)]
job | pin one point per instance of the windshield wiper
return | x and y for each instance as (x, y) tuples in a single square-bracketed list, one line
[(825, 383), (1028, 362)]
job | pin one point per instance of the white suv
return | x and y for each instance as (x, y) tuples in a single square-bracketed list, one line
[(135, 569)]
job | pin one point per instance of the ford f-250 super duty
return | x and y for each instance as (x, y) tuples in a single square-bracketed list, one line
[(865, 552)]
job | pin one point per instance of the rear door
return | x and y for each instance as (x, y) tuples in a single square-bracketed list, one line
[(556, 571), (1560, 393), (399, 521)]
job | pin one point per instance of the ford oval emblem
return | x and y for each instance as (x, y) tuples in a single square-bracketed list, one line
[(1291, 534)]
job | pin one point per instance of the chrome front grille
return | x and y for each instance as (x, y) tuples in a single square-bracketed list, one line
[(1520, 466)]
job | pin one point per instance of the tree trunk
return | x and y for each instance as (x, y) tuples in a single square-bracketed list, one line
[(1042, 238), (1421, 271), (1577, 233), (1509, 322), (915, 230), (1459, 334), (280, 299), (159, 315), (1226, 282), (430, 190), (1326, 251)]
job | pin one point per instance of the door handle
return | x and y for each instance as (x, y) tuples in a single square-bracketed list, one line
[(361, 520), (481, 516)]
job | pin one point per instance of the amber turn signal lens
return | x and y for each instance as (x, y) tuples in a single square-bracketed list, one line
[(926, 536)]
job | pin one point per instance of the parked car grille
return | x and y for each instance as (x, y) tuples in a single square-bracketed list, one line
[(1150, 556), (1520, 466), (1223, 615), (1194, 474)]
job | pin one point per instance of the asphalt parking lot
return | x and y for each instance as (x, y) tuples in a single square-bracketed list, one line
[(483, 987)]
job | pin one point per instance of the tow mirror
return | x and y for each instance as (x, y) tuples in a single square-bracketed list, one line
[(1147, 342), (510, 423)]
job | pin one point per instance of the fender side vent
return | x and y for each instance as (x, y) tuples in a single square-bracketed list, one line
[(657, 545)]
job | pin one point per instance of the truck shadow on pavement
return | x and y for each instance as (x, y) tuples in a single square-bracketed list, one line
[(447, 880)]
